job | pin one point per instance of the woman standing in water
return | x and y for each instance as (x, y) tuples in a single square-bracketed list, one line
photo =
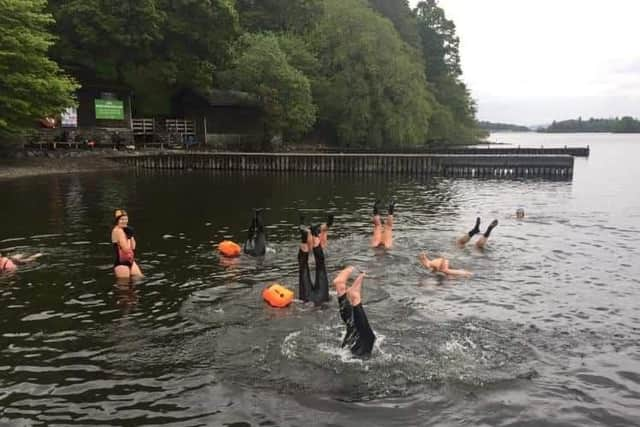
[(124, 246)]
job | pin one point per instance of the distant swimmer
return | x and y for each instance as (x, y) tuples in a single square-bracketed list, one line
[(124, 246), (256, 244), (482, 240), (441, 265), (520, 213), (359, 337), (10, 263), (382, 234), (317, 291)]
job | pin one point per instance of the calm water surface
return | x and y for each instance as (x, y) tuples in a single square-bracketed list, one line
[(545, 333)]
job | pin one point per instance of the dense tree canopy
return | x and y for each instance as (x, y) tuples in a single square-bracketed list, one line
[(618, 125), (352, 72), (371, 90), (403, 19), (31, 85), (492, 126), (279, 15), (154, 46), (262, 68), (455, 109)]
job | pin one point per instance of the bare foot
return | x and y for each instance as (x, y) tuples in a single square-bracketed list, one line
[(354, 293), (423, 259), (340, 282)]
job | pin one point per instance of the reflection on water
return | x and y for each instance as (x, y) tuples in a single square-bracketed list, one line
[(548, 324)]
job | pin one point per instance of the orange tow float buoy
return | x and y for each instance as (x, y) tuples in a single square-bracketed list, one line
[(229, 248), (277, 296)]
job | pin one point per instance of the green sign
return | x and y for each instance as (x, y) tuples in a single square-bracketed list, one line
[(109, 109)]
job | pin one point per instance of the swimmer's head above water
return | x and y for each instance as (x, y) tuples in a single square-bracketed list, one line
[(520, 213), (121, 217)]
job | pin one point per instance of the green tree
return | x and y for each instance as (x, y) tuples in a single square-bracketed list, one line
[(279, 15), (155, 46), (440, 44), (370, 89), (262, 68), (31, 85), (403, 19), (439, 41)]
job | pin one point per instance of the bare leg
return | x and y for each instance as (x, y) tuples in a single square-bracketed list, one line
[(462, 273), (462, 240), (424, 260), (387, 234), (122, 272), (135, 270), (376, 239), (324, 231), (354, 293)]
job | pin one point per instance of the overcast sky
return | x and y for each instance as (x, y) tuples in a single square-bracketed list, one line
[(533, 61)]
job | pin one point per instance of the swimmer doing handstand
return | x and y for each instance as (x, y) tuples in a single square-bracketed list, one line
[(482, 240), (256, 243), (359, 337), (318, 291), (382, 234)]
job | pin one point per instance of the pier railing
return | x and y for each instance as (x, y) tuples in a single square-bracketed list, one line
[(464, 165)]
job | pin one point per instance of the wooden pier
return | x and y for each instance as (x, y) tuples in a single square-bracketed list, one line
[(491, 150), (462, 165)]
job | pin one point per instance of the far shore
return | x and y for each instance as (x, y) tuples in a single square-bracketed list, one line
[(12, 168)]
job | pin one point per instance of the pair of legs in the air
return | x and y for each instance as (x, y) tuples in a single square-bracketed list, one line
[(256, 243), (382, 234), (482, 240), (311, 240), (359, 337), (441, 265)]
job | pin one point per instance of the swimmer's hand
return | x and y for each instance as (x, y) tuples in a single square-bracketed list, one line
[(129, 231)]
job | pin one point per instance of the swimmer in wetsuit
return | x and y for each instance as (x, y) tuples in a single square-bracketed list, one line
[(482, 240), (317, 291), (359, 336), (9, 264), (441, 265), (382, 234), (256, 243), (124, 246)]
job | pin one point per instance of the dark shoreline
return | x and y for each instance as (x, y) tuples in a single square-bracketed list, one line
[(46, 163)]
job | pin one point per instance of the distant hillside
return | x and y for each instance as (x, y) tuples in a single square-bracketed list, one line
[(618, 125), (490, 126)]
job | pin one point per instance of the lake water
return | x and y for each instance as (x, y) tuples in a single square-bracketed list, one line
[(546, 332)]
